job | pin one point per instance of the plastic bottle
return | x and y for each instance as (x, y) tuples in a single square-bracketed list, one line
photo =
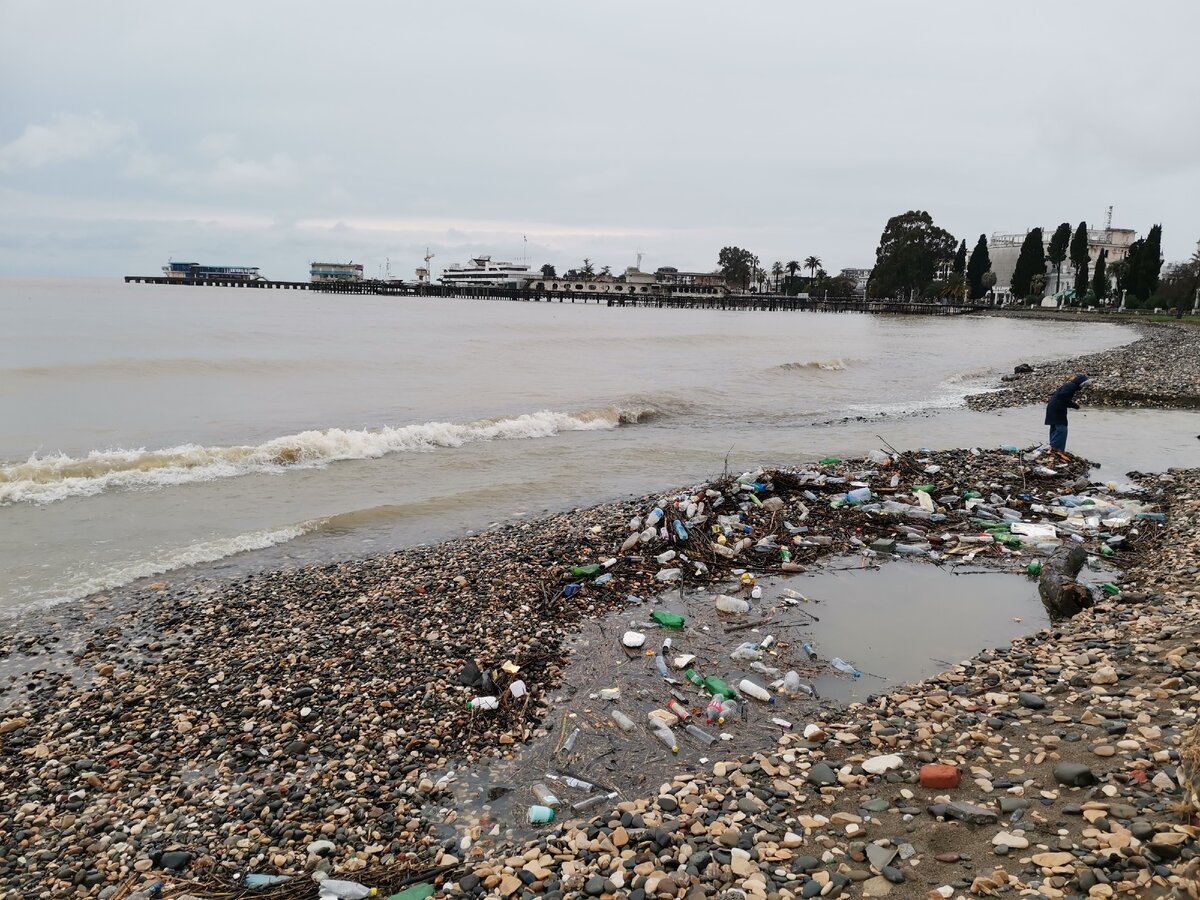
[(654, 517), (540, 815), (667, 619), (623, 722), (729, 710), (785, 555), (764, 669), (483, 703), (680, 531), (336, 889), (603, 579), (668, 575), (1111, 589), (589, 802), (666, 557), (694, 677), (767, 642), (718, 688), (584, 570), (829, 460), (251, 880), (630, 542), (809, 652), (661, 664), (1034, 568), (750, 689), (712, 712), (858, 496), (728, 604), (544, 795), (746, 652), (842, 666), (756, 592), (699, 734), (678, 708), (147, 892), (569, 743), (666, 738)]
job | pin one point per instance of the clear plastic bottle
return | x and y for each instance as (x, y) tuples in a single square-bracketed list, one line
[(666, 738), (544, 795), (746, 652), (728, 604), (623, 722), (660, 663), (666, 557), (842, 666), (150, 890), (758, 692), (668, 575), (699, 734), (569, 743)]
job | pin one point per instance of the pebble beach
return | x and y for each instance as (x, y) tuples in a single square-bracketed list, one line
[(304, 720)]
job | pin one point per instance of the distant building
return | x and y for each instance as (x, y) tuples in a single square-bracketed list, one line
[(665, 282), (861, 277), (1004, 249), (325, 272)]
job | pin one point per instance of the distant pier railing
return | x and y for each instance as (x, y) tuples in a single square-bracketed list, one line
[(758, 302)]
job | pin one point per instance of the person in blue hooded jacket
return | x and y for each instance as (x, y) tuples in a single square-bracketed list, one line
[(1056, 411)]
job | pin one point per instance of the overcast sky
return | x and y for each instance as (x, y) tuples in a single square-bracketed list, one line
[(277, 133)]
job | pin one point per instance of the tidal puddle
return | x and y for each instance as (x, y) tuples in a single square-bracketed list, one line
[(896, 623)]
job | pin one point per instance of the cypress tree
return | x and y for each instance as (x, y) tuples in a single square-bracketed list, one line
[(1079, 258), (980, 263), (1100, 279), (1131, 283), (1030, 262), (1057, 251), (960, 258), (1150, 263)]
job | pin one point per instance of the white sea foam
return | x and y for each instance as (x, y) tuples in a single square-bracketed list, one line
[(48, 479), (829, 365), (170, 560)]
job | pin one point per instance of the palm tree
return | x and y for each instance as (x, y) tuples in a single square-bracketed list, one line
[(588, 269), (812, 264), (777, 271), (792, 268)]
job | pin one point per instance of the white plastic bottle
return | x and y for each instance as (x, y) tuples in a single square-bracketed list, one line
[(750, 689), (483, 703), (335, 889)]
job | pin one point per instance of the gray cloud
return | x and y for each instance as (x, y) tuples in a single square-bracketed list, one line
[(276, 132)]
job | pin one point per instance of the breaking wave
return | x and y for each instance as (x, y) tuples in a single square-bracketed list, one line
[(48, 479), (831, 365), (172, 560)]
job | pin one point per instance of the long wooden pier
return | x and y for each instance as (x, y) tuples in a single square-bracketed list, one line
[(757, 302)]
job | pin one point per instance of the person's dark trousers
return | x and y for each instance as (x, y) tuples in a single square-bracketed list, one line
[(1058, 437)]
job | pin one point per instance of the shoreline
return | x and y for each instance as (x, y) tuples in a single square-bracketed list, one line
[(265, 634)]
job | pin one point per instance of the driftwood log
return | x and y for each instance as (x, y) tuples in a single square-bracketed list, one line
[(1061, 594)]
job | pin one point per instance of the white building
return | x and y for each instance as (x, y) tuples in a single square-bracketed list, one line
[(860, 277), (324, 271), (1004, 250)]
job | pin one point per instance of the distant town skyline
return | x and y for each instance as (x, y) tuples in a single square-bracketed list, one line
[(267, 135)]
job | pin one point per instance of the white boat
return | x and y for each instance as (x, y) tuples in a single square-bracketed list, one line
[(482, 271)]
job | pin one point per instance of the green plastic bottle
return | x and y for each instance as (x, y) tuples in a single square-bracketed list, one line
[(1034, 568), (719, 688), (830, 460), (667, 619), (694, 677), (971, 495), (589, 569), (1110, 589), (1106, 550), (927, 488)]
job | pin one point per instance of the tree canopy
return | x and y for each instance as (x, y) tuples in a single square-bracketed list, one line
[(910, 250), (981, 262), (738, 266), (960, 258), (1031, 264), (1079, 258), (1057, 251), (548, 271)]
